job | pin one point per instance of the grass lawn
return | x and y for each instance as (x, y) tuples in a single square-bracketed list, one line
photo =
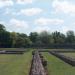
[(15, 64), (57, 66), (9, 49)]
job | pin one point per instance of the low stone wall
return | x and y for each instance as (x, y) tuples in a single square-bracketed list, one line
[(65, 51), (64, 58), (37, 67), (11, 52)]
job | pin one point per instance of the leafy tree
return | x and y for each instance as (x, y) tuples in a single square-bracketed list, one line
[(70, 37), (46, 38), (5, 38), (33, 37), (14, 38), (58, 37), (22, 40), (2, 27), (22, 35)]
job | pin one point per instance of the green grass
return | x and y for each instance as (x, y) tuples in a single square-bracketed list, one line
[(9, 48), (71, 55), (58, 67), (13, 49), (15, 64)]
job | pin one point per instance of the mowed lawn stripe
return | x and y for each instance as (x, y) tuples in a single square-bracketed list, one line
[(15, 64), (58, 67)]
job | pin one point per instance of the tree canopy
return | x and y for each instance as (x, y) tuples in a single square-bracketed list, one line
[(13, 39)]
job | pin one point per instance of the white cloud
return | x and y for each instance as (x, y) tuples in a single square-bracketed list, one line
[(18, 23), (24, 1), (4, 3), (63, 6), (46, 21), (9, 11), (68, 27), (26, 12), (31, 11)]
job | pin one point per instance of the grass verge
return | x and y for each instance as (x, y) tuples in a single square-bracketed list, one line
[(58, 67), (15, 64)]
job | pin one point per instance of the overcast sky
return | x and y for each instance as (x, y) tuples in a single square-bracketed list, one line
[(27, 16)]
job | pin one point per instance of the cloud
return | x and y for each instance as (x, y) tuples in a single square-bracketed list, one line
[(48, 21), (68, 27), (31, 11), (9, 11), (24, 1), (4, 3), (63, 6), (26, 12), (18, 23)]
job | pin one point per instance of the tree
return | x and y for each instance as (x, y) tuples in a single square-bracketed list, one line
[(14, 37), (33, 37), (5, 39), (46, 38), (2, 27), (22, 40), (22, 35), (58, 37), (70, 37)]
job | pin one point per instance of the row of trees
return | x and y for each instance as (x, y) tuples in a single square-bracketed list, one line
[(13, 39)]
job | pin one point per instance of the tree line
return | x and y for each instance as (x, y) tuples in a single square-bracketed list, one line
[(34, 39)]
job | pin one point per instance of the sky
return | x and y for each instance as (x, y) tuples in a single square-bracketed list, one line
[(27, 16)]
